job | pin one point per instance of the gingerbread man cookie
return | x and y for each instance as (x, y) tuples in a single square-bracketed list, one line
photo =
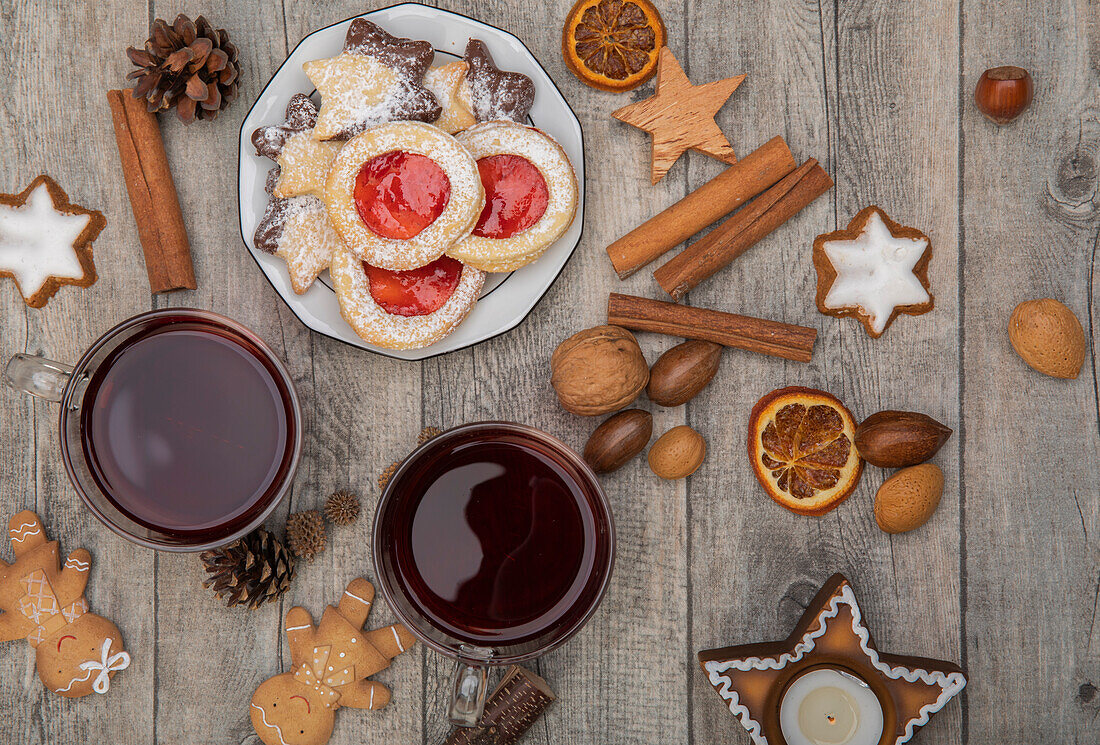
[(330, 664), (46, 241), (378, 78), (303, 161), (42, 601)]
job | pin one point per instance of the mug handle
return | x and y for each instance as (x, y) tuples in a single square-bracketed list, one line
[(37, 376), (468, 688)]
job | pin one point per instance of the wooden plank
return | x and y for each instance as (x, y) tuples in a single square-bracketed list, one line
[(57, 114), (1031, 446), (621, 678), (836, 86)]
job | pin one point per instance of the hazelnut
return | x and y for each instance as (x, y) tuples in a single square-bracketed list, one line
[(1003, 93), (598, 370)]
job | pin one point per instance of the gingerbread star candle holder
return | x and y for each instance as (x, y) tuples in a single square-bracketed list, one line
[(827, 682)]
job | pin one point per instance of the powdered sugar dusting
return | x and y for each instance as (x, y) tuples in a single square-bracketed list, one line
[(449, 86), (454, 223), (505, 137), (376, 326), (307, 242), (495, 93)]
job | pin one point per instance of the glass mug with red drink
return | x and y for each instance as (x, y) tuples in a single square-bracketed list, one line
[(179, 428), (493, 543)]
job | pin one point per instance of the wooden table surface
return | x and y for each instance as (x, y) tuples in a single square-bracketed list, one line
[(1004, 579)]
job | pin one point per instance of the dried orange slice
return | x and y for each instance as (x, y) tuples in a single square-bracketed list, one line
[(613, 44), (801, 443)]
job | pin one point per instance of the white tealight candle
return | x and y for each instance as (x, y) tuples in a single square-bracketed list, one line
[(827, 706)]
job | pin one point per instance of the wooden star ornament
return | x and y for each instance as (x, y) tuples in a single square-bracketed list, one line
[(680, 116), (769, 686)]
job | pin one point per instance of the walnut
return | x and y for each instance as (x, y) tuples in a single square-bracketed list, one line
[(598, 370)]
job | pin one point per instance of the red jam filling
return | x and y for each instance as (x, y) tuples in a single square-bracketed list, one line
[(515, 196), (416, 292), (398, 194)]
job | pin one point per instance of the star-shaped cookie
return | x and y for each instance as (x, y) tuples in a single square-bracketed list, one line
[(873, 270), (376, 79), (474, 89), (298, 231), (303, 161), (45, 241), (753, 679), (680, 116)]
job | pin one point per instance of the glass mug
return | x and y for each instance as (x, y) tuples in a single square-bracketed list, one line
[(180, 429), (493, 543)]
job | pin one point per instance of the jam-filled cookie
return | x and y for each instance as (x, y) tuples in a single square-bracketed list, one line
[(401, 193), (405, 309), (530, 196)]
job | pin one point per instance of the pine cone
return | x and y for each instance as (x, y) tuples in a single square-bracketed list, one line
[(250, 571), (342, 508), (305, 532), (428, 433), (387, 474), (189, 65)]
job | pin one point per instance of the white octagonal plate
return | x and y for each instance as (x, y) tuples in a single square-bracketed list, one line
[(507, 298)]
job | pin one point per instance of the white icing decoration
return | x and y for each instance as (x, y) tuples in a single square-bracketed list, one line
[(77, 564), (74, 681), (263, 717), (36, 242), (874, 272), (950, 684), (361, 600), (108, 664), (370, 704), (24, 531), (297, 628), (397, 638)]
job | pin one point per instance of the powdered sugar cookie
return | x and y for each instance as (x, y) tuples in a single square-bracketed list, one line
[(474, 89), (46, 241), (404, 310), (449, 86), (303, 161), (530, 196), (330, 664), (376, 79), (494, 93), (298, 231), (401, 193)]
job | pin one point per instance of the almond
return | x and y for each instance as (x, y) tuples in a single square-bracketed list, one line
[(1048, 337), (677, 453), (894, 439), (681, 372), (618, 440), (908, 498)]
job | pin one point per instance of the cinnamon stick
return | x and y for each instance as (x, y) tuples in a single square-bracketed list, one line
[(743, 332), (152, 194), (739, 233), (513, 707), (721, 195)]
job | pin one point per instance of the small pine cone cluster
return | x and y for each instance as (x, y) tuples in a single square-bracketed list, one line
[(342, 508), (305, 532)]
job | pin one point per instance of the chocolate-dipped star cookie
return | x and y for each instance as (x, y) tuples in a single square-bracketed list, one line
[(298, 231), (303, 161), (495, 93), (376, 79), (827, 682)]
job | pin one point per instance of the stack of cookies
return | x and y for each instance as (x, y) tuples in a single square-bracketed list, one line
[(409, 183)]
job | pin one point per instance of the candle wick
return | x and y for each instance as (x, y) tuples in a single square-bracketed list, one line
[(831, 718)]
